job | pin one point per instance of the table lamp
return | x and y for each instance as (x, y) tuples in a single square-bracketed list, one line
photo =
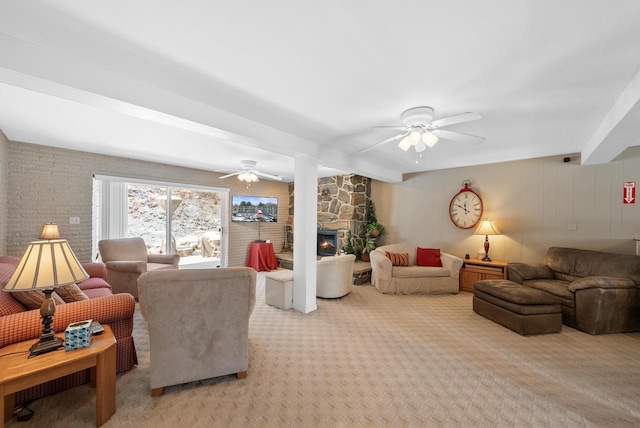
[(46, 264), (487, 228)]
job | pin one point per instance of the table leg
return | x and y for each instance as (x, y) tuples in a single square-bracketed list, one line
[(6, 407), (105, 379)]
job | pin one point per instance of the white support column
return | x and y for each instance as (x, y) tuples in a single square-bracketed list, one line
[(305, 213)]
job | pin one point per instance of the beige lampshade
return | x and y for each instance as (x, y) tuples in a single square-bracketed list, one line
[(487, 228), (50, 231), (46, 264)]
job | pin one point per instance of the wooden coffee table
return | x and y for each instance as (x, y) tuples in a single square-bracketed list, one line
[(20, 372)]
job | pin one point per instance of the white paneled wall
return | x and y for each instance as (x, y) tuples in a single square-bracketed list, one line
[(535, 203)]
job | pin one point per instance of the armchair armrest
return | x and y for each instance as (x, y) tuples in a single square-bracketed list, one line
[(105, 310), (519, 272), (381, 266), (601, 282), (95, 270), (169, 259), (451, 262), (127, 266)]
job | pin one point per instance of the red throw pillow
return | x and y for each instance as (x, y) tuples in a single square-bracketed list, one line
[(398, 259), (428, 257)]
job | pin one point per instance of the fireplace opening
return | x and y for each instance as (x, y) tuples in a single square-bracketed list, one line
[(327, 242)]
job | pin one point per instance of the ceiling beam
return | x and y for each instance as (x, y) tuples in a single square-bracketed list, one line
[(34, 67), (619, 129)]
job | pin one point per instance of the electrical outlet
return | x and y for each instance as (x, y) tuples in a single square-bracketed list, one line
[(74, 220)]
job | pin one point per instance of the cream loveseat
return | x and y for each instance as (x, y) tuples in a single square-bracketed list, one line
[(413, 279)]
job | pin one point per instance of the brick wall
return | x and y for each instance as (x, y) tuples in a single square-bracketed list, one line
[(4, 186), (48, 184)]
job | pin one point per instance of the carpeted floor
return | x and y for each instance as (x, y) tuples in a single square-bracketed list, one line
[(378, 360)]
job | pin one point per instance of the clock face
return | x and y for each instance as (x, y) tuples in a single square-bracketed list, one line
[(465, 209)]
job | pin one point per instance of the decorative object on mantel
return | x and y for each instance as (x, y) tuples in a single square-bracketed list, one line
[(420, 131), (47, 263), (487, 228)]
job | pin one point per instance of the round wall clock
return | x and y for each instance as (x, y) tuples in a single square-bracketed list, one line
[(465, 209)]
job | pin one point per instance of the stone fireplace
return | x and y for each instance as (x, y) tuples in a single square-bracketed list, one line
[(327, 242), (342, 207)]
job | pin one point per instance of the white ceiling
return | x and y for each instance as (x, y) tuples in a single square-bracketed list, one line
[(206, 84)]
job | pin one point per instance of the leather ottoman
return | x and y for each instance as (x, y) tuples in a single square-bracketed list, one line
[(522, 309)]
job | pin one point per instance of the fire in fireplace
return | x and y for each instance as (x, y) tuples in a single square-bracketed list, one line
[(327, 242)]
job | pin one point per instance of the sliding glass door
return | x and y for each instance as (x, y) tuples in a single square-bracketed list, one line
[(170, 218)]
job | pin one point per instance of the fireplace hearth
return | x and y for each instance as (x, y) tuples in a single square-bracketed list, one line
[(327, 242)]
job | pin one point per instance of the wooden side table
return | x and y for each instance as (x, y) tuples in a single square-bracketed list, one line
[(20, 372), (476, 270)]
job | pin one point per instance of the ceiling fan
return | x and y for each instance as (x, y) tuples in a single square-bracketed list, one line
[(421, 131), (250, 174)]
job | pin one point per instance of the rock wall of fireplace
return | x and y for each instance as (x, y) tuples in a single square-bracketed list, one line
[(342, 206)]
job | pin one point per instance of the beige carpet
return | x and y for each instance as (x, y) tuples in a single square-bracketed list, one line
[(377, 360)]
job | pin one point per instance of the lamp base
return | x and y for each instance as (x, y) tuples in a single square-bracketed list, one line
[(46, 344), (486, 249)]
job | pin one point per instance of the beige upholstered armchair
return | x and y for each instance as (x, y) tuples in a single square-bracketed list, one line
[(127, 258), (198, 321), (334, 276)]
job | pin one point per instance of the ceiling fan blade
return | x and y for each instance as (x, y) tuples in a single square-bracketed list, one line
[(400, 128), (388, 140), (459, 137), (269, 176), (452, 120), (230, 175)]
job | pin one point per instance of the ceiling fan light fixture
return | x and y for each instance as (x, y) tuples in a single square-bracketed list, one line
[(405, 144), (429, 139), (421, 147), (414, 137), (249, 177)]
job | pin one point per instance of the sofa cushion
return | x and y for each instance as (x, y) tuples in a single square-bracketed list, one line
[(71, 293), (570, 264), (398, 259), (399, 249), (601, 282), (9, 305), (419, 271), (555, 287), (33, 299), (428, 257), (515, 293)]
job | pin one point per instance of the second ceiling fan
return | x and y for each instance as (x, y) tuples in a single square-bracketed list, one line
[(420, 131)]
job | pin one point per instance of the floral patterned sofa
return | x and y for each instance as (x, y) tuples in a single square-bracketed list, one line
[(18, 324)]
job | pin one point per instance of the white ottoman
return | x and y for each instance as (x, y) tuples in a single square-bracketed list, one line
[(278, 288)]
